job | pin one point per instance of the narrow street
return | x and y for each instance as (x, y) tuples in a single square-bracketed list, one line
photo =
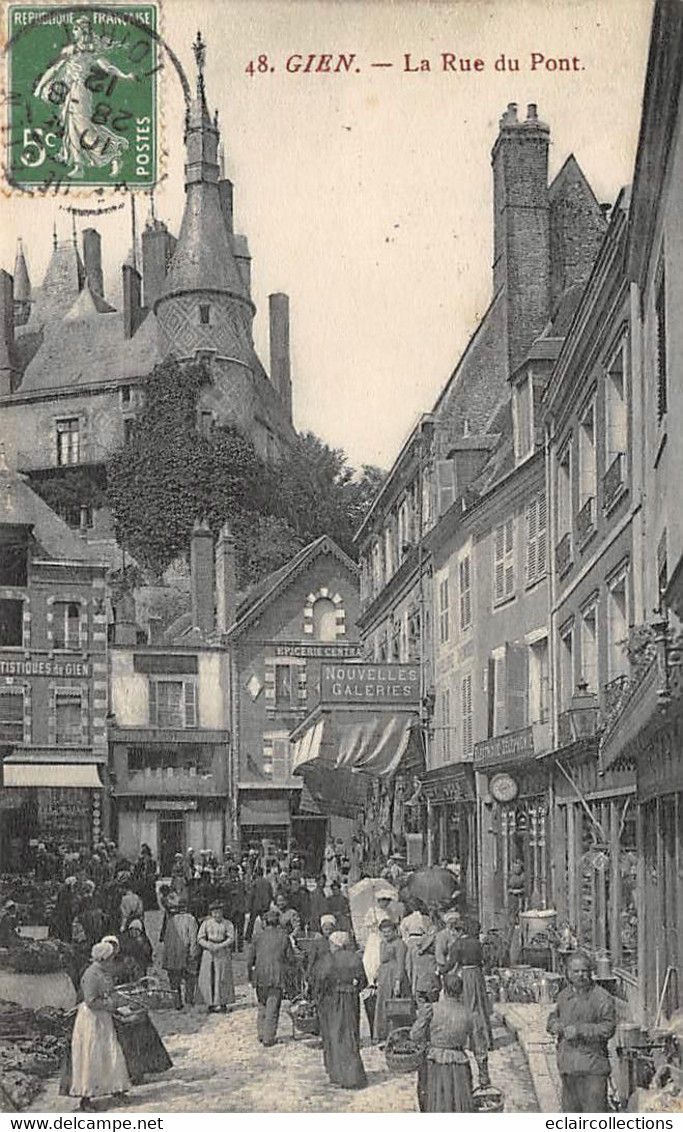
[(219, 1067)]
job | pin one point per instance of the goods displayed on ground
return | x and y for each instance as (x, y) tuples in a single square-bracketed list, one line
[(32, 1045), (37, 957), (35, 899), (524, 984)]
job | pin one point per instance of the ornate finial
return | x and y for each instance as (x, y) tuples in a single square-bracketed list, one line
[(215, 119), (199, 48)]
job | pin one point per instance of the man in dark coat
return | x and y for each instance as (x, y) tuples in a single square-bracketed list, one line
[(338, 906), (268, 959), (584, 1019), (236, 900), (318, 905), (260, 899)]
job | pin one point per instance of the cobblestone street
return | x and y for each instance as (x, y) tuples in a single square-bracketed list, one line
[(220, 1067)]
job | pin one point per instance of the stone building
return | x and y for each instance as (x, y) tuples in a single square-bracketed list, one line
[(53, 680), (73, 361), (446, 551)]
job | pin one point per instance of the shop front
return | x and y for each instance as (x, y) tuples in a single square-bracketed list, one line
[(513, 829), (56, 802), (451, 822)]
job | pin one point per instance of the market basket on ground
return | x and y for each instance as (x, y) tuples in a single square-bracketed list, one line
[(148, 993), (488, 1099), (304, 1016), (402, 1054)]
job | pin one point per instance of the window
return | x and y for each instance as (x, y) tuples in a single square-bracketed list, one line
[(496, 695), (523, 419), (206, 423), (588, 470), (204, 313), (11, 715), (466, 709), (465, 578), (324, 620), (617, 626), (11, 623), (13, 565), (444, 611), (68, 719), (68, 441), (126, 395), (66, 625), (195, 759), (589, 648), (504, 565), (388, 551), (276, 757), (377, 579), (173, 703), (286, 687), (564, 493), (616, 410), (536, 540), (566, 667), (405, 527), (444, 725), (661, 352), (445, 484), (539, 682), (128, 429)]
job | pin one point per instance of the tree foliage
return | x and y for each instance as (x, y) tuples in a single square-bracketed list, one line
[(168, 475)]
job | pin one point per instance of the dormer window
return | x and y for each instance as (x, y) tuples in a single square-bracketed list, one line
[(204, 313), (523, 418)]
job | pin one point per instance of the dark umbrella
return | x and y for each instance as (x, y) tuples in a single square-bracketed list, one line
[(432, 885)]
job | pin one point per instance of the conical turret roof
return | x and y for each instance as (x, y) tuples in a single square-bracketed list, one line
[(22, 283)]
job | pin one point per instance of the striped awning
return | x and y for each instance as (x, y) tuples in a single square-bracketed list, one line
[(82, 776), (368, 742)]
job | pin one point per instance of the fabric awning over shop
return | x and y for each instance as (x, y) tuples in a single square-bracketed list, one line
[(371, 742), (265, 811), (639, 711), (82, 776)]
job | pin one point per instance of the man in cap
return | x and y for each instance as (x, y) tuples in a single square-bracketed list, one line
[(268, 958), (583, 1021), (181, 950)]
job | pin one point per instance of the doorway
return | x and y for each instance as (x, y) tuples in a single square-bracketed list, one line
[(171, 841)]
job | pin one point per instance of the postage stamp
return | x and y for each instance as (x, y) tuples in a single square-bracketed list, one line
[(82, 95)]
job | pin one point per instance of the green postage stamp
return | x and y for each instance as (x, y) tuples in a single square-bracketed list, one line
[(82, 95)]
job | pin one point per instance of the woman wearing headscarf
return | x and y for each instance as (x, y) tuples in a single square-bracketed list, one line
[(98, 1066), (341, 979), (143, 1049), (136, 951), (392, 981), (445, 1029), (465, 956), (216, 938)]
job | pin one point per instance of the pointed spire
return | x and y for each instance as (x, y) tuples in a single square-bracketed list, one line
[(22, 282), (199, 48)]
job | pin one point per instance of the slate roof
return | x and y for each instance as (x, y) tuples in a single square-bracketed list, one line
[(22, 283), (20, 506), (203, 259)]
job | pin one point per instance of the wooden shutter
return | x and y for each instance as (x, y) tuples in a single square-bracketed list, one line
[(542, 537), (153, 720), (466, 694), (445, 482), (499, 564), (491, 693), (190, 703), (509, 583), (517, 686), (532, 541), (280, 759), (465, 593)]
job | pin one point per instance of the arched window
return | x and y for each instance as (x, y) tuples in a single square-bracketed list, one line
[(324, 620)]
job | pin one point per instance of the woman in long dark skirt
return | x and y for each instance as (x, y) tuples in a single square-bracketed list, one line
[(341, 978), (445, 1029), (143, 1049)]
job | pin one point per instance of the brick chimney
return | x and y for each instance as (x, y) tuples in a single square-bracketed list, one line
[(92, 260), (521, 228), (280, 367), (132, 306), (158, 246), (226, 580), (202, 578), (6, 332)]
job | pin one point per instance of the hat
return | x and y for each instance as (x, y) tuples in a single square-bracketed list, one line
[(384, 894), (8, 905), (451, 917), (327, 920), (215, 904), (101, 951), (339, 939), (137, 924)]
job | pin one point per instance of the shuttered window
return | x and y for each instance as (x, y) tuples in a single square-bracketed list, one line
[(516, 686), (445, 478), (276, 758), (173, 703), (444, 611), (465, 575), (536, 540), (504, 562), (466, 709)]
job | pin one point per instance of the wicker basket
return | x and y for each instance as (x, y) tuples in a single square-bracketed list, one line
[(149, 994), (304, 1016), (402, 1054), (489, 1100)]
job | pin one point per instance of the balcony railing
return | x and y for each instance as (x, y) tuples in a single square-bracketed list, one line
[(613, 480), (614, 692), (585, 520), (41, 459), (563, 554)]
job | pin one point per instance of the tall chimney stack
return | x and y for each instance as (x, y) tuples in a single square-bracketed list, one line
[(92, 260), (226, 580), (125, 627), (280, 367), (6, 332), (132, 305), (158, 246), (202, 578)]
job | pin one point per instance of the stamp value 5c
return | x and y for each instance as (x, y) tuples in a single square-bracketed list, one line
[(82, 95)]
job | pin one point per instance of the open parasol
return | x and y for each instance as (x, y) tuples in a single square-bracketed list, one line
[(433, 885)]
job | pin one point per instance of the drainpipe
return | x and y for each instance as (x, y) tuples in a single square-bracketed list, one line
[(550, 505), (424, 714)]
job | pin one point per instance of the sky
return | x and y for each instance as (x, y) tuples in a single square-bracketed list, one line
[(366, 195)]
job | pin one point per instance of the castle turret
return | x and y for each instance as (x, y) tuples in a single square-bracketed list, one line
[(204, 305), (22, 288)]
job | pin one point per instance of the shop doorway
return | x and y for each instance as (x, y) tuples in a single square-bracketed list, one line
[(17, 827), (309, 835), (171, 841)]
